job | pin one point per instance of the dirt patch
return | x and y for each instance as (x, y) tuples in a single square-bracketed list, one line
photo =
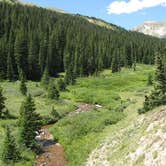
[(85, 108), (53, 153)]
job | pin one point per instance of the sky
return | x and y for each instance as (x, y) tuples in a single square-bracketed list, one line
[(124, 13)]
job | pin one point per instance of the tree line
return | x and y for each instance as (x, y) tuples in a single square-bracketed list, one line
[(33, 39)]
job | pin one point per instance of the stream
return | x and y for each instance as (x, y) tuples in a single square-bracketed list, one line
[(53, 153)]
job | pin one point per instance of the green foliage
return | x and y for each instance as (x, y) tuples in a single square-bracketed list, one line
[(150, 79), (10, 151), (79, 133), (70, 78), (23, 88), (30, 45), (158, 95), (45, 78), (55, 115), (74, 127), (2, 105), (61, 85), (114, 87), (116, 62), (10, 70), (53, 93), (29, 123)]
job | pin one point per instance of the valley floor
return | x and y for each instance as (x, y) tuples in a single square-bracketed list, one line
[(113, 134)]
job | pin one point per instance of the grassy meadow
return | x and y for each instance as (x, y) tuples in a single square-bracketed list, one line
[(80, 134)]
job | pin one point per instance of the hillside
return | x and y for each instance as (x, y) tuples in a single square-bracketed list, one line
[(140, 140), (102, 23), (57, 42), (157, 29)]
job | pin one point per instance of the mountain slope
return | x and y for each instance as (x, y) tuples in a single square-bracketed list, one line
[(157, 29), (140, 140), (65, 42)]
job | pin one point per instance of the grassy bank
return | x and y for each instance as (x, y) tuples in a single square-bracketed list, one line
[(82, 133)]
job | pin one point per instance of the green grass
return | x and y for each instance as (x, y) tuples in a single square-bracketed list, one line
[(82, 133), (43, 106)]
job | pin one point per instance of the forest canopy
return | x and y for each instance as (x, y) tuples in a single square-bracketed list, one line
[(33, 38)]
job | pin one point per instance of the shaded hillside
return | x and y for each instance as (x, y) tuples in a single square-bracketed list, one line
[(33, 38)]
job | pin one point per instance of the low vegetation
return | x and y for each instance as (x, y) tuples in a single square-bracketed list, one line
[(78, 133)]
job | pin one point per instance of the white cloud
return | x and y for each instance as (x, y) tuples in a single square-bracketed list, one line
[(123, 7)]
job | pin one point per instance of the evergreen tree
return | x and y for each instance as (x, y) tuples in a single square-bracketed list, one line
[(29, 123), (158, 95), (115, 67), (23, 88), (10, 151), (55, 115), (53, 93), (2, 104), (10, 70), (134, 63), (61, 85), (45, 78), (160, 83), (150, 79), (21, 52), (70, 78), (33, 60)]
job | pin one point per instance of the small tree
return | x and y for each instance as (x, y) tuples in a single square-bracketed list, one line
[(61, 85), (23, 87), (70, 78), (134, 63), (55, 115), (45, 78), (29, 123), (150, 79), (115, 66), (53, 93), (10, 150), (2, 104)]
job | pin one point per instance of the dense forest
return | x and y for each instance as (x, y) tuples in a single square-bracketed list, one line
[(33, 39)]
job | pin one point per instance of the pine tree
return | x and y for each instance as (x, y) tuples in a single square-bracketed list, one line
[(23, 88), (10, 151), (150, 79), (53, 93), (29, 123), (10, 70), (33, 59), (160, 83), (158, 95), (61, 85), (21, 52), (45, 78), (134, 63), (55, 115), (2, 103), (115, 62), (70, 78)]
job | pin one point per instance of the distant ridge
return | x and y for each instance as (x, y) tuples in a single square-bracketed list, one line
[(153, 28)]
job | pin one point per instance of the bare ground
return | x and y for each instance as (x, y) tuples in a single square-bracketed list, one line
[(53, 153)]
